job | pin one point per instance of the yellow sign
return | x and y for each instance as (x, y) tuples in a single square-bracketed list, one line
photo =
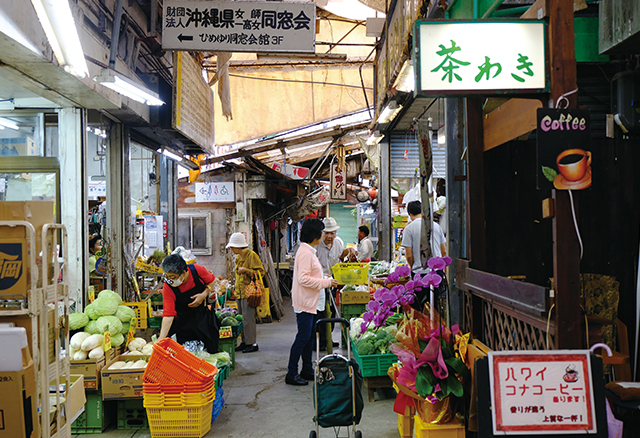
[(92, 293), (226, 332), (107, 339), (132, 330)]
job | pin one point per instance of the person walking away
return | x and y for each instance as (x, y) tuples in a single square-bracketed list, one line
[(411, 238), (184, 299), (330, 251), (248, 265), (308, 284), (364, 248)]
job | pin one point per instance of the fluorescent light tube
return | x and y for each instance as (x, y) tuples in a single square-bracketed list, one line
[(57, 21), (128, 88), (8, 123), (389, 113), (405, 81), (170, 154)]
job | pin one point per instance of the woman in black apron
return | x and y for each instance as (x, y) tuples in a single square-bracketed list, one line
[(185, 311)]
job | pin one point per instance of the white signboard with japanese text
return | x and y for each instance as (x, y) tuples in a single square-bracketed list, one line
[(541, 392), (98, 189), (480, 57), (239, 26), (295, 172), (215, 192)]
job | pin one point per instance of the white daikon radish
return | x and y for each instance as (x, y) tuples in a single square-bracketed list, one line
[(117, 365), (96, 353), (79, 355), (92, 342), (76, 340), (127, 365), (147, 349), (139, 364), (135, 353)]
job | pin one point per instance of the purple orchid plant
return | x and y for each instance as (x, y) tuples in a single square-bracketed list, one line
[(386, 301), (433, 370)]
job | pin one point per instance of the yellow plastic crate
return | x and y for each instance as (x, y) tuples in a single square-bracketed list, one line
[(185, 422), (450, 430), (184, 399), (146, 267), (141, 313), (405, 426), (353, 297), (351, 273)]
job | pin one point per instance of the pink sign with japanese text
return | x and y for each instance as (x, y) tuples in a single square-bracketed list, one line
[(539, 392)]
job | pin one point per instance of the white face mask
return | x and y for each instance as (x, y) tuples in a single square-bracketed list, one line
[(174, 283)]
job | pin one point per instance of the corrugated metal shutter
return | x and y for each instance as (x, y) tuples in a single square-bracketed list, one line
[(407, 168)]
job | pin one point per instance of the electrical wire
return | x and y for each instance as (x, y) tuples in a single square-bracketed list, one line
[(575, 224)]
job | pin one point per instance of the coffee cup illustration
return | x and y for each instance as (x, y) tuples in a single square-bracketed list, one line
[(573, 164)]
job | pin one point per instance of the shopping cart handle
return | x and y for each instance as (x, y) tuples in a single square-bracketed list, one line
[(330, 320)]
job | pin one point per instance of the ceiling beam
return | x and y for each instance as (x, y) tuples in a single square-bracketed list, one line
[(300, 141)]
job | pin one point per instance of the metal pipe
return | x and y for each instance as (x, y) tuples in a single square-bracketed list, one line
[(115, 35), (496, 4)]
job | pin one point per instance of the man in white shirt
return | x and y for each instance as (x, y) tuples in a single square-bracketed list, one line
[(364, 248), (411, 238)]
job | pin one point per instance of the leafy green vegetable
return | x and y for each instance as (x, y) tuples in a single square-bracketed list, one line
[(125, 313), (115, 325), (90, 311), (105, 305), (549, 173), (117, 340), (78, 320), (110, 294), (92, 327)]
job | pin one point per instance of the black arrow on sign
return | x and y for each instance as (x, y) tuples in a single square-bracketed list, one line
[(185, 38)]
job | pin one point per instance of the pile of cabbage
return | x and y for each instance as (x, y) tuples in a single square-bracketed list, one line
[(106, 310)]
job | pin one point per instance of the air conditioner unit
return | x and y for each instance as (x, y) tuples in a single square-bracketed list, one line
[(625, 96)]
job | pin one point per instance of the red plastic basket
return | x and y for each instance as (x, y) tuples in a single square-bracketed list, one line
[(170, 363)]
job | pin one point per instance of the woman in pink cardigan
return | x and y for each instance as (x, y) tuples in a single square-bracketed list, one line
[(308, 283)]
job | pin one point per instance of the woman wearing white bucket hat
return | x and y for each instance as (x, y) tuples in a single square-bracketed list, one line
[(248, 264)]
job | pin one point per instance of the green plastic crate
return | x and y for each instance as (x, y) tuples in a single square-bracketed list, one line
[(348, 311), (154, 321), (373, 365), (229, 345), (132, 415), (97, 414), (223, 373)]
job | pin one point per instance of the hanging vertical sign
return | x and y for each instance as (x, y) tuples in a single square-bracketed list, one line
[(338, 175), (562, 149), (541, 392)]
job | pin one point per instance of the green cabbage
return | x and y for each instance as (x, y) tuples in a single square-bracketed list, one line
[(125, 313), (77, 321), (111, 294), (125, 328), (92, 328), (117, 340), (115, 325), (90, 311), (105, 306)]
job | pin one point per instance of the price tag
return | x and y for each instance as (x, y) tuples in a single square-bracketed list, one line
[(225, 332), (107, 339), (132, 330), (92, 293)]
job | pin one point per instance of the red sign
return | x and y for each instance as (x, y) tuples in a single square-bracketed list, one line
[(165, 229), (541, 392)]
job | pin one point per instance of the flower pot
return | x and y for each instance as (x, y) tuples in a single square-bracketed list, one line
[(437, 413)]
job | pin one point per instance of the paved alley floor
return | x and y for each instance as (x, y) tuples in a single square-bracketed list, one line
[(259, 404)]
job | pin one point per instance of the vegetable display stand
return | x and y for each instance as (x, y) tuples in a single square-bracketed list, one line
[(373, 365), (132, 415), (229, 345), (97, 415), (427, 430)]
